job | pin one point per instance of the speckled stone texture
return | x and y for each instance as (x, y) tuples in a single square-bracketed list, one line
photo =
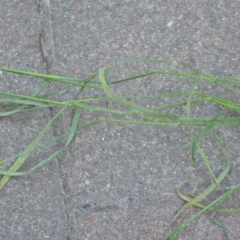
[(31, 207), (122, 178)]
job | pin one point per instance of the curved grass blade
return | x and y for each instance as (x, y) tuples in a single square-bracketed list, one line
[(197, 74), (219, 224), (133, 107), (213, 185), (207, 163), (199, 205), (226, 195), (208, 126)]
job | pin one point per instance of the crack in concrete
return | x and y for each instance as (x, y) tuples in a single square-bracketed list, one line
[(46, 47)]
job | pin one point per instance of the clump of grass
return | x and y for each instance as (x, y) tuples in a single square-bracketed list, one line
[(119, 108)]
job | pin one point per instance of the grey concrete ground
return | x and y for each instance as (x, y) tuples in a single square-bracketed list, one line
[(115, 181)]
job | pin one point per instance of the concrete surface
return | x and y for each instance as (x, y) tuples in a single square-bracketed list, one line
[(115, 181), (31, 207)]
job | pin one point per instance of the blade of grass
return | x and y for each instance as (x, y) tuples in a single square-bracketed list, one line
[(199, 205), (149, 113), (207, 163), (73, 128), (53, 78), (190, 95), (36, 167), (19, 162), (208, 127), (219, 224), (233, 106), (70, 135), (175, 232), (213, 185), (133, 107), (28, 151), (198, 74), (72, 103)]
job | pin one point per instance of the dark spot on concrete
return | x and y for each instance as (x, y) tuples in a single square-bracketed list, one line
[(87, 205)]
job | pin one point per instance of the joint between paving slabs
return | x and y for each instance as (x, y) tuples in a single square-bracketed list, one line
[(46, 48)]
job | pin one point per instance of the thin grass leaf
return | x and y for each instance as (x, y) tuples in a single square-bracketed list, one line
[(199, 205), (10, 112), (175, 232), (219, 224), (71, 103), (149, 113), (170, 124), (207, 163), (39, 147), (180, 104), (20, 161), (154, 72), (135, 77), (233, 106), (198, 74), (20, 106), (40, 89), (36, 167), (144, 113), (70, 135), (213, 185), (73, 128), (53, 78), (18, 102), (208, 126), (190, 95)]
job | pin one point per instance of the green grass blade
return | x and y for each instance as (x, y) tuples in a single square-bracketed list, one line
[(53, 78), (22, 101), (207, 163), (175, 233), (219, 224), (199, 205), (37, 148), (133, 107), (190, 95), (145, 116), (36, 167), (73, 128), (20, 161), (213, 185), (208, 127)]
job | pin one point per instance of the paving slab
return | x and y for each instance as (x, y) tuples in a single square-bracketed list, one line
[(31, 207), (122, 178)]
